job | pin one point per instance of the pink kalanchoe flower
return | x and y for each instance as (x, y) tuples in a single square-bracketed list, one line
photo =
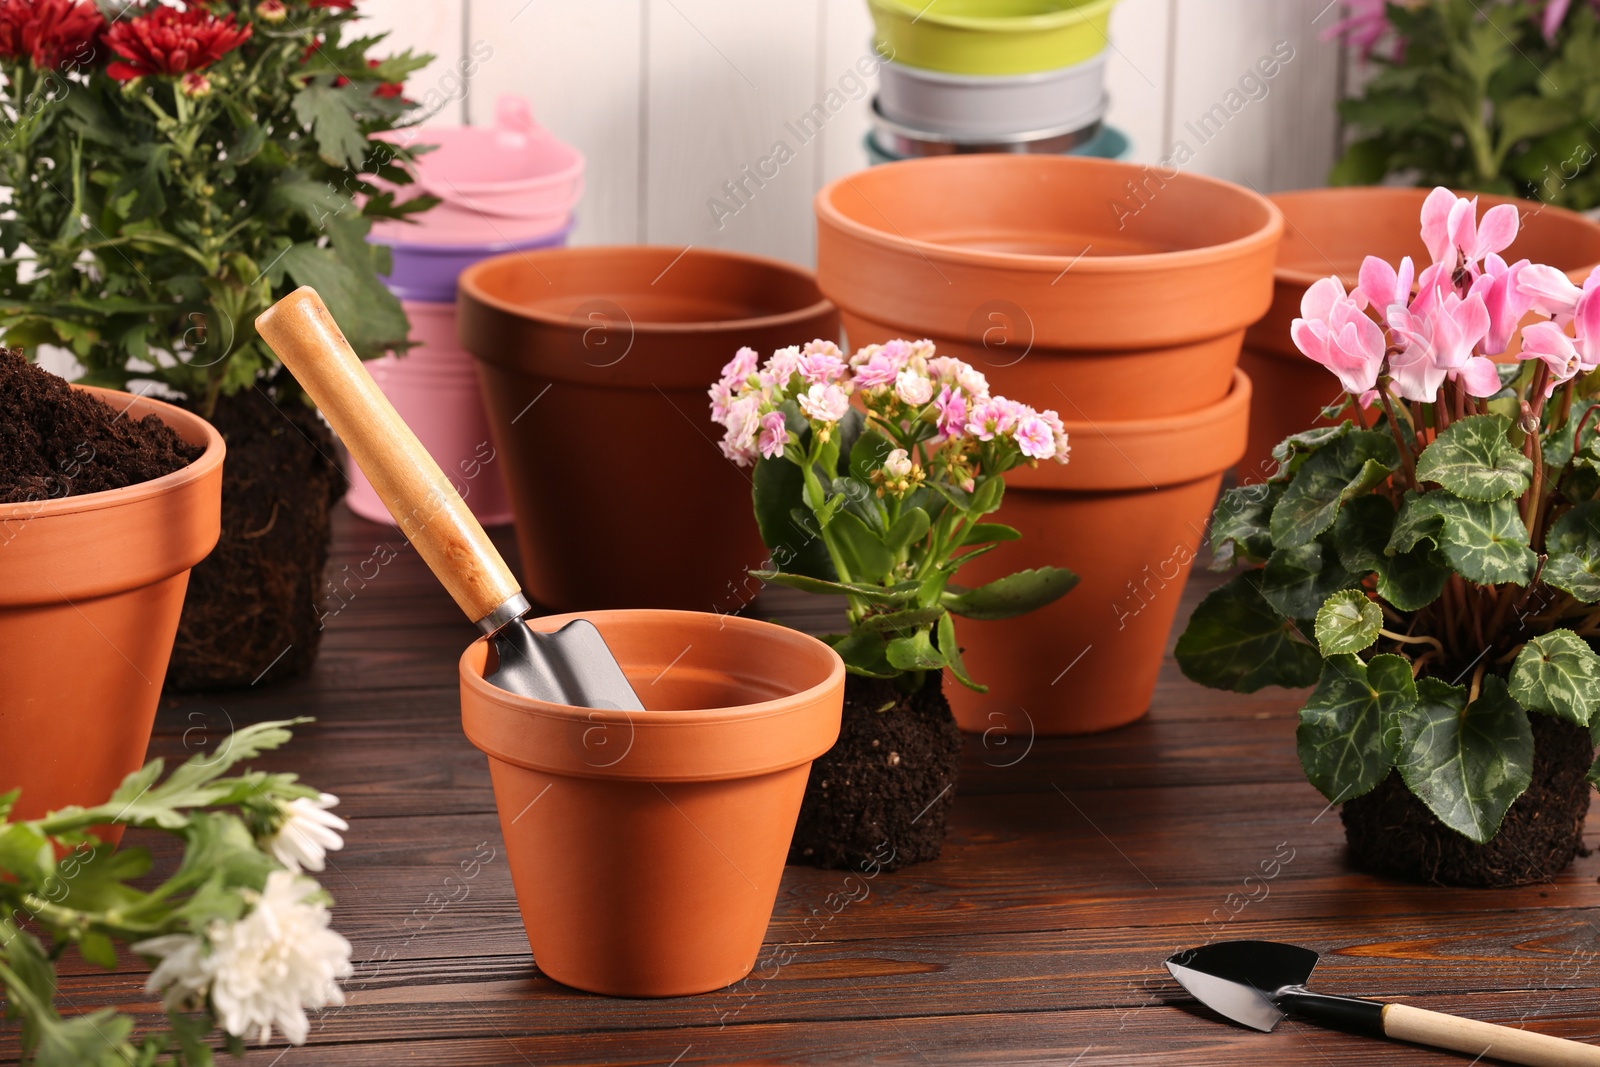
[(1034, 437), (1506, 302), (721, 397), (879, 370), (993, 416), (913, 388), (742, 423), (1438, 338), (774, 434), (1546, 342), (1381, 286), (897, 464), (741, 366), (825, 402), (1334, 332), (777, 371), (1059, 430), (951, 407), (1552, 292), (821, 367), (823, 348)]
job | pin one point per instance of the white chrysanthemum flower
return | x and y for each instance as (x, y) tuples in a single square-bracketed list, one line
[(183, 972), (277, 961), (309, 832)]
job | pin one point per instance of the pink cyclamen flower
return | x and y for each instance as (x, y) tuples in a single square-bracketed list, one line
[(878, 370), (1554, 12), (1334, 332), (821, 367), (951, 408), (913, 388), (1551, 291), (825, 402), (1456, 237), (1363, 26), (1381, 286), (1506, 301), (1586, 324), (774, 434), (1034, 437), (1544, 341), (1438, 338), (991, 417)]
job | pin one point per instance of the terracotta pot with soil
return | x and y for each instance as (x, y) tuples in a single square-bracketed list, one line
[(593, 358), (253, 611), (106, 502), (1390, 831), (1051, 277), (1129, 513), (1329, 232), (646, 848)]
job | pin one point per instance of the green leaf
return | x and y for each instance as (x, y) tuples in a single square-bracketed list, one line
[(778, 492), (1558, 673), (1419, 520), (1475, 460), (1236, 640), (1485, 543), (1337, 472), (329, 114), (1341, 736), (1015, 594), (1240, 525), (1295, 449), (1296, 581), (26, 853), (1363, 163), (983, 532), (868, 453), (1573, 547), (1362, 531), (864, 653), (1410, 581), (915, 653), (864, 552), (900, 622), (910, 528), (899, 593), (952, 653), (986, 498), (1467, 766), (1348, 622)]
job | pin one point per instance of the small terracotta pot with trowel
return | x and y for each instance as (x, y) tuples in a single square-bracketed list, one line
[(648, 765)]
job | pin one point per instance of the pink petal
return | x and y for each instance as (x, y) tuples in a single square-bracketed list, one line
[(1436, 225), (1496, 230), (1319, 300), (1480, 377), (1378, 284), (1463, 227), (1552, 291)]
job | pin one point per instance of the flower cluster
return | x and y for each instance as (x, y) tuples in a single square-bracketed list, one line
[(50, 33), (901, 382), (168, 41), (1465, 309)]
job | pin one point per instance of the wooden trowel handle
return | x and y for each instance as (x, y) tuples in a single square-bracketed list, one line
[(422, 500), (1485, 1040)]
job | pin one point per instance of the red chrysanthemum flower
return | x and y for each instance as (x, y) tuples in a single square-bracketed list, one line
[(50, 32), (169, 41), (386, 89)]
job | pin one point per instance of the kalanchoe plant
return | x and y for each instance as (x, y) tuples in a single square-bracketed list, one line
[(1494, 95), (175, 171), (238, 934), (1432, 563), (884, 502)]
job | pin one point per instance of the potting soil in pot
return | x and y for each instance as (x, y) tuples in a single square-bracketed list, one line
[(882, 793), (1390, 831), (56, 441), (255, 608)]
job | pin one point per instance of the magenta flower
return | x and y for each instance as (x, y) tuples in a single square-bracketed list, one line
[(951, 411), (1506, 302), (1551, 291), (774, 434), (1334, 332)]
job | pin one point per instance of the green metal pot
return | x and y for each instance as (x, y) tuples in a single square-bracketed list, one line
[(991, 36)]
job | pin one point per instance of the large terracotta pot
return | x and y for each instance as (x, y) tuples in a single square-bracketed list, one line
[(90, 590), (1128, 514), (646, 849), (594, 365), (1330, 231), (1064, 283)]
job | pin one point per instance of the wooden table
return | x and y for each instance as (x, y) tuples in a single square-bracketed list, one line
[(1072, 869)]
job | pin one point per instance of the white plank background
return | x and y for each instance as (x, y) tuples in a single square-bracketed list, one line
[(670, 99)]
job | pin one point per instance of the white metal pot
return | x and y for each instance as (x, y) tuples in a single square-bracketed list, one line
[(973, 105)]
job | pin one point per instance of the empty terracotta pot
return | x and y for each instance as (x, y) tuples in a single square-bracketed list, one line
[(646, 848), (1330, 231), (594, 365), (1128, 514), (1103, 289), (90, 590)]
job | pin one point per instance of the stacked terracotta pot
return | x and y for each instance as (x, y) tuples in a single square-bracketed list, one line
[(1117, 295), (506, 188), (971, 76)]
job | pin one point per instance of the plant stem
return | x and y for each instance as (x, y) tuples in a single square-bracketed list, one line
[(1399, 440), (1407, 640)]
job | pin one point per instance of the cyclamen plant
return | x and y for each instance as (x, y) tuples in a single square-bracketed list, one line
[(1449, 532), (238, 934), (883, 503)]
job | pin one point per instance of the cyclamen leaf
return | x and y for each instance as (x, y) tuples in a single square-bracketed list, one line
[(1486, 543), (1558, 673), (1293, 450), (1348, 622), (1237, 640), (1475, 460), (1466, 766), (1573, 549), (1297, 581), (1341, 736), (1331, 476), (1240, 525), (1410, 581), (1361, 533)]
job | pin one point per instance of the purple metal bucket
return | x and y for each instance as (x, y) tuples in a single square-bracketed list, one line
[(428, 271)]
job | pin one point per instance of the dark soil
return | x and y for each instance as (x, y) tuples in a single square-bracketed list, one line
[(251, 614), (56, 441), (881, 794), (1390, 831)]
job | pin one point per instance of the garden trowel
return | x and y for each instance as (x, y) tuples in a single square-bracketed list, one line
[(572, 666), (1257, 983)]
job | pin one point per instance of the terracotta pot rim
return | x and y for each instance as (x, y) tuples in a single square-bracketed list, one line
[(1205, 255), (176, 418), (1294, 276), (1069, 16), (469, 291)]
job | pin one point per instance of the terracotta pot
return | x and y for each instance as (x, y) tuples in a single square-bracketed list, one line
[(594, 365), (1052, 277), (90, 589), (1127, 514), (646, 849), (1330, 231)]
